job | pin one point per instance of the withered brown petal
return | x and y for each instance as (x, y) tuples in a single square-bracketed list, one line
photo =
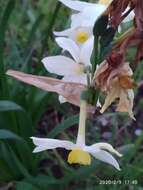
[(70, 91), (126, 82)]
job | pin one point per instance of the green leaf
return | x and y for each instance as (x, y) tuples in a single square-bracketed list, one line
[(18, 165), (21, 147), (6, 105), (44, 181), (25, 186), (126, 149), (100, 26), (64, 125), (23, 118), (107, 37), (81, 173), (8, 135), (3, 27), (6, 156)]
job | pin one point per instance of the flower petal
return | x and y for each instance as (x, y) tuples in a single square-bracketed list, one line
[(65, 33), (59, 65), (126, 102), (111, 96), (45, 144), (107, 158), (86, 51), (106, 146), (62, 99), (76, 5), (77, 20), (98, 103), (70, 46), (91, 14), (88, 16), (71, 91), (80, 79)]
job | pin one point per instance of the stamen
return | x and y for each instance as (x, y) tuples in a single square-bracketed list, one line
[(82, 37), (78, 156)]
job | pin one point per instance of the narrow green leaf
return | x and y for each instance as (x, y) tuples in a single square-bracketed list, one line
[(64, 125), (3, 26), (100, 26), (6, 105), (20, 167), (82, 173), (126, 149), (6, 156), (8, 135), (44, 181), (25, 186)]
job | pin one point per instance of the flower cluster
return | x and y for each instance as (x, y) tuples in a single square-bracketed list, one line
[(82, 75)]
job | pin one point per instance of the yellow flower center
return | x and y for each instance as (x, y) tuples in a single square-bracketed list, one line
[(104, 2), (82, 37), (78, 156)]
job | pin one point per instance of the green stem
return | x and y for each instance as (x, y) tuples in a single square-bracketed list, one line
[(88, 78), (82, 123), (96, 53)]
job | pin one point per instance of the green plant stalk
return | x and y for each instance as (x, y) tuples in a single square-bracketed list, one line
[(96, 54), (82, 122)]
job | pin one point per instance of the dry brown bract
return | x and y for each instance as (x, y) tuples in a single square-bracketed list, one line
[(116, 82), (71, 91)]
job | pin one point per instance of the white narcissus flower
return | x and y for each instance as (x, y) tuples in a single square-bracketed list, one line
[(81, 6), (88, 14), (80, 152), (82, 23), (81, 28), (73, 69)]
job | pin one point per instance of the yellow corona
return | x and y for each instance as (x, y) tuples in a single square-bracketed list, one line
[(82, 37), (78, 156)]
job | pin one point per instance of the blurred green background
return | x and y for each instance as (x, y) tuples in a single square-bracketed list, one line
[(25, 38)]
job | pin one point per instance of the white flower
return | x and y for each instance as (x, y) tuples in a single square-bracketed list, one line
[(88, 16), (80, 153), (82, 23), (73, 69), (89, 12), (81, 6)]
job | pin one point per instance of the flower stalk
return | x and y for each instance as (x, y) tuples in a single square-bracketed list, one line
[(82, 123)]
